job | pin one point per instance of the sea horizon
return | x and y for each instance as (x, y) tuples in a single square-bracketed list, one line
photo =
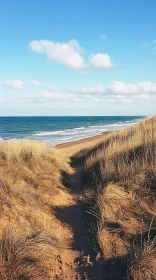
[(54, 130)]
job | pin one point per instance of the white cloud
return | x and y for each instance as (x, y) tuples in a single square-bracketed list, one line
[(124, 93), (35, 83), (15, 84), (96, 89), (143, 96), (52, 95), (117, 92), (67, 54), (46, 96), (125, 101), (103, 37), (101, 60), (130, 89)]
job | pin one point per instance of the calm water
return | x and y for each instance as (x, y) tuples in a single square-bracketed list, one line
[(57, 130)]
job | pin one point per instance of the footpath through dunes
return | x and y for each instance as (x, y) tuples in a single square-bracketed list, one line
[(76, 263), (81, 261), (75, 260)]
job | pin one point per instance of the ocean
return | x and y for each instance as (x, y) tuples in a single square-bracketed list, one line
[(58, 130)]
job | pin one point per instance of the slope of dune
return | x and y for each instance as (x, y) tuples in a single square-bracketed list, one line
[(30, 187), (121, 172)]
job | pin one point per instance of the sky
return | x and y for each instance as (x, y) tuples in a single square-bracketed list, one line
[(71, 58)]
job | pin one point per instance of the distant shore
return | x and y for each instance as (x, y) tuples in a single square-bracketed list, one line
[(72, 147)]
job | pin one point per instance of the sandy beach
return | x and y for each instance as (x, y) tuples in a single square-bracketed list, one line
[(72, 147)]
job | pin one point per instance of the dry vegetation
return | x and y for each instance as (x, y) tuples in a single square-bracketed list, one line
[(122, 172), (144, 262), (30, 185)]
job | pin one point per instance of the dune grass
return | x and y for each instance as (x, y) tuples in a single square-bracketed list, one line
[(121, 170), (143, 261), (30, 185)]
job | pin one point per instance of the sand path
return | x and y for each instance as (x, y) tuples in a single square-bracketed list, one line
[(74, 261), (80, 261)]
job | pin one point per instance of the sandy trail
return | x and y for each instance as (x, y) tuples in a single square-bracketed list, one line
[(79, 261), (74, 261)]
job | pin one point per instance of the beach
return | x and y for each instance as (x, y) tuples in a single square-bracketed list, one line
[(71, 148)]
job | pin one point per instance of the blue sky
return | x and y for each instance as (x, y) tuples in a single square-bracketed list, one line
[(77, 57)]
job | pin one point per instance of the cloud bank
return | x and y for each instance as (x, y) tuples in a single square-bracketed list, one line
[(19, 84), (116, 93)]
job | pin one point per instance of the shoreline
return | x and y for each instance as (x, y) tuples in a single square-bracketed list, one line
[(89, 141), (72, 147)]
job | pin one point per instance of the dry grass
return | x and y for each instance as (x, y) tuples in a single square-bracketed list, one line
[(30, 185), (122, 171), (122, 215), (144, 262)]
